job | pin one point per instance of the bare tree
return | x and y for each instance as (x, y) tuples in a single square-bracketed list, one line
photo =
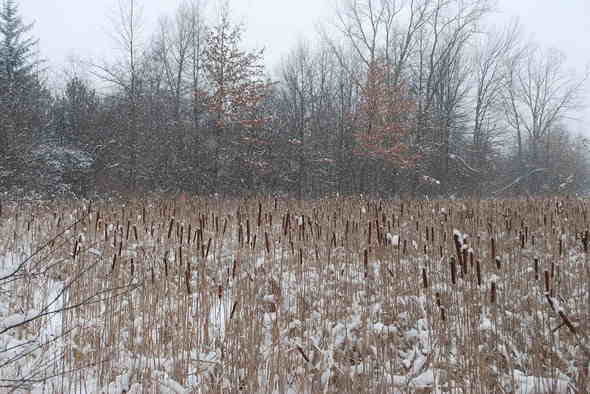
[(439, 74), (539, 94), (484, 134), (173, 49), (378, 28), (126, 74), (197, 33), (489, 75)]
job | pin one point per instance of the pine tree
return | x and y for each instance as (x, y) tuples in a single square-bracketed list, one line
[(17, 49), (21, 92)]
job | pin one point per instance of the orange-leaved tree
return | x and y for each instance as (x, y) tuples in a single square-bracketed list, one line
[(237, 87), (385, 120)]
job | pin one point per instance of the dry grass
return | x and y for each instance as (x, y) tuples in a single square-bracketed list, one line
[(335, 296)]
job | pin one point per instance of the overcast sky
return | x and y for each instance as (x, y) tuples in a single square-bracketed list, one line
[(80, 27)]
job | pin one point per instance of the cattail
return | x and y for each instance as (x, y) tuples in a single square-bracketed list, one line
[(75, 251), (287, 223), (493, 293), (453, 271), (187, 281), (208, 246), (234, 269), (346, 230), (114, 263), (247, 231), (366, 263), (170, 228), (424, 278), (166, 264)]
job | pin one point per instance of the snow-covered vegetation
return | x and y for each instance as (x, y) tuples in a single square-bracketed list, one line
[(279, 296)]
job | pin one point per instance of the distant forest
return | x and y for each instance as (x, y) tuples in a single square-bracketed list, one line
[(410, 99)]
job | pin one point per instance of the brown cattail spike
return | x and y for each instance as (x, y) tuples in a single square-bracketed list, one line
[(453, 271), (424, 278), (493, 293)]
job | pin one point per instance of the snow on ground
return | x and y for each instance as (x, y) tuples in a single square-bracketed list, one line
[(353, 333)]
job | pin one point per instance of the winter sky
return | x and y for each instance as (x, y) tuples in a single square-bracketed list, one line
[(81, 28)]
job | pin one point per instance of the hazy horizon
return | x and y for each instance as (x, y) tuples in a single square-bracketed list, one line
[(80, 29)]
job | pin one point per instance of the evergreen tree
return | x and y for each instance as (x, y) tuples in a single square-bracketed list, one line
[(23, 98), (17, 49)]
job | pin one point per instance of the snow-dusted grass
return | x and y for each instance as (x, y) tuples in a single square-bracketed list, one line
[(272, 296)]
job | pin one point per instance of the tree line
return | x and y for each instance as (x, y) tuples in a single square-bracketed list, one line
[(392, 98)]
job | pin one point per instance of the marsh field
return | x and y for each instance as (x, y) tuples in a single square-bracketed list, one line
[(285, 296)]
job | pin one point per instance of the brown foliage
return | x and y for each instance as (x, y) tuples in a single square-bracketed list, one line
[(385, 119)]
